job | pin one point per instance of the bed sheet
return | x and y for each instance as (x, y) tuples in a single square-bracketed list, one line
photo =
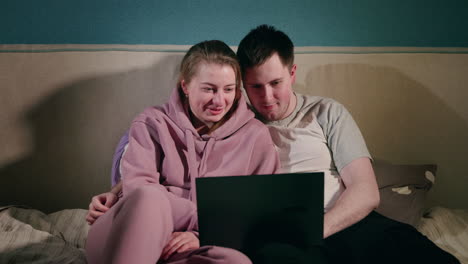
[(30, 236)]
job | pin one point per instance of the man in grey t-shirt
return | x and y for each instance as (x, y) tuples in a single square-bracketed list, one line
[(318, 134)]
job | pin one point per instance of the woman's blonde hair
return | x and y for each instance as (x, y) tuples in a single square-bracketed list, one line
[(210, 51)]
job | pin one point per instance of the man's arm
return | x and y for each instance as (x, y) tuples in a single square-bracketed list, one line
[(117, 189), (360, 197), (103, 202)]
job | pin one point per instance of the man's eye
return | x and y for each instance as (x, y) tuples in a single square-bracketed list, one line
[(275, 83)]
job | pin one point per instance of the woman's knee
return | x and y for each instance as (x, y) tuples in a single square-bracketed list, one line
[(147, 196)]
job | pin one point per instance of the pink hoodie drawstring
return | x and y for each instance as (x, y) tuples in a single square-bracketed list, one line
[(194, 172), (192, 160)]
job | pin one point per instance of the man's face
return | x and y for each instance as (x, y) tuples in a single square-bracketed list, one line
[(269, 87)]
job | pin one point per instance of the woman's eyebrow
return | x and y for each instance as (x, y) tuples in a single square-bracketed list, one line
[(212, 84), (207, 83)]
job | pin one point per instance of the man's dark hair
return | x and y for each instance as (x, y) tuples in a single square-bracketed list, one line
[(261, 43)]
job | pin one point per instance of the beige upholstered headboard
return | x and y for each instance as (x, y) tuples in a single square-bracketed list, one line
[(63, 109)]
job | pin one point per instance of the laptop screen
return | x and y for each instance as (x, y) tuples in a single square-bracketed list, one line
[(247, 212)]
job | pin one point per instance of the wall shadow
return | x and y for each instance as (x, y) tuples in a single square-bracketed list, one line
[(75, 132), (401, 120)]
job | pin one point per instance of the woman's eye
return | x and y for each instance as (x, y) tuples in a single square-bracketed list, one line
[(208, 89), (229, 89)]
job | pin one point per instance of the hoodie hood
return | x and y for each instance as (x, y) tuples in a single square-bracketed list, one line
[(179, 113), (199, 147)]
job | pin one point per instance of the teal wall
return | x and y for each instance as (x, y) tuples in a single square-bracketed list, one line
[(419, 23)]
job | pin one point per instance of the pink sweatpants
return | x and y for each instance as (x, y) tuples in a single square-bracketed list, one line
[(136, 229)]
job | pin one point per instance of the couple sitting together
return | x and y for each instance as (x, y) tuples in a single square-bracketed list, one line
[(206, 129)]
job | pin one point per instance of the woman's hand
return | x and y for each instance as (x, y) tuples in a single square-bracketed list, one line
[(180, 242), (99, 205)]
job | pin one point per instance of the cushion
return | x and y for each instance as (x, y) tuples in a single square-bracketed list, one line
[(403, 190)]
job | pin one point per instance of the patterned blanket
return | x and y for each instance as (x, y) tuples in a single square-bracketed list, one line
[(30, 236)]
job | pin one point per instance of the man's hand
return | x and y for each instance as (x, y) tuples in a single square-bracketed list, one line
[(99, 205), (180, 242)]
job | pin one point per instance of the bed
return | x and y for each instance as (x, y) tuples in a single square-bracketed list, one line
[(31, 236), (409, 104)]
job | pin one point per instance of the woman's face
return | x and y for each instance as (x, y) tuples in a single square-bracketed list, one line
[(211, 92)]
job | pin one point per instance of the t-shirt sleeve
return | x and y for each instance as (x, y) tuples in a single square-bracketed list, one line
[(344, 138)]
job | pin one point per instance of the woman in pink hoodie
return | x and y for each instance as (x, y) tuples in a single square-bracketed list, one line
[(205, 130)]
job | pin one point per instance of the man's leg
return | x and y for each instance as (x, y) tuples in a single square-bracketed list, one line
[(378, 239), (284, 253)]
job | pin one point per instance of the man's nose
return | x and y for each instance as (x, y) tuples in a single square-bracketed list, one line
[(267, 92)]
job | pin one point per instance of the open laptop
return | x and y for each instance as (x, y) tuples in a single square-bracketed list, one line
[(248, 212)]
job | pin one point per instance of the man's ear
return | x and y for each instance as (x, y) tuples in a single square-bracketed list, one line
[(293, 73), (183, 84)]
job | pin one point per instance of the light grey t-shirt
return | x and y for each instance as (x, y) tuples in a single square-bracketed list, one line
[(320, 135)]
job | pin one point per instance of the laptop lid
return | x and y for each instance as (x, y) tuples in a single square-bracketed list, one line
[(247, 212)]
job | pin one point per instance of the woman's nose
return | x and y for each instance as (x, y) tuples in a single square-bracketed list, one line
[(218, 98)]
